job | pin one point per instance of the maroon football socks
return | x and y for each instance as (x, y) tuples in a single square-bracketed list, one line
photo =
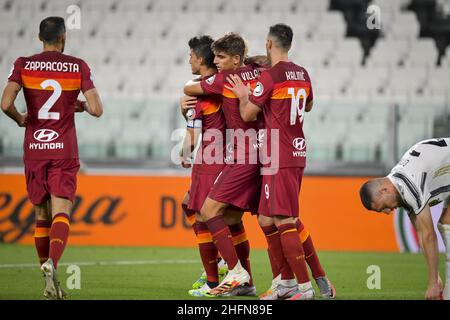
[(223, 240), (293, 251), (42, 239), (59, 234)]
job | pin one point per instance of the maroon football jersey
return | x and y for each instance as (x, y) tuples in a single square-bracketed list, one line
[(208, 110), (51, 82), (230, 106), (282, 92)]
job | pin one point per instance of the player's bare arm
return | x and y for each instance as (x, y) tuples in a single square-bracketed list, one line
[(190, 142), (186, 103), (428, 241), (193, 88), (248, 110), (9, 96), (94, 104)]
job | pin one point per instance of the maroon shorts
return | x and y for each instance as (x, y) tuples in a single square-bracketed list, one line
[(279, 193), (201, 184), (237, 185), (56, 177)]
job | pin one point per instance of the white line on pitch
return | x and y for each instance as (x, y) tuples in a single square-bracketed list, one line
[(103, 263)]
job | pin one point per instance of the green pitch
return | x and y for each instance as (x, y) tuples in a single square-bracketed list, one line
[(168, 273)]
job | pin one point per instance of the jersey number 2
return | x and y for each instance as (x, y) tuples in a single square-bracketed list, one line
[(295, 104), (44, 110)]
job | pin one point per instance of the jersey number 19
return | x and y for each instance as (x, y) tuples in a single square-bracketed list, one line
[(295, 104)]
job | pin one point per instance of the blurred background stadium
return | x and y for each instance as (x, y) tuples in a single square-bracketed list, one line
[(379, 87), (139, 56)]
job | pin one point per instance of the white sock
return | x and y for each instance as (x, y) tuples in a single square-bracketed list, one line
[(444, 230), (221, 263), (238, 267), (276, 280), (288, 282), (305, 286)]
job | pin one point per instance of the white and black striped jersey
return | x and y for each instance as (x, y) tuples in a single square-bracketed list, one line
[(423, 174)]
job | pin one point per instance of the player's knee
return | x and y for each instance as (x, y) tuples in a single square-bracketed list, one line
[(279, 220), (265, 221), (41, 213), (198, 217), (208, 210), (185, 199), (232, 217)]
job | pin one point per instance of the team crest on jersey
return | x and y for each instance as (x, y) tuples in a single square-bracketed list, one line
[(211, 79), (259, 89)]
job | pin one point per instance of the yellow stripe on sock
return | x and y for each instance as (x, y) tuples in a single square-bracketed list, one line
[(239, 238), (272, 234), (204, 237), (304, 234), (191, 219), (61, 219), (41, 232), (289, 230)]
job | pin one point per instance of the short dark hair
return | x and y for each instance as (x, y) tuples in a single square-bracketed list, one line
[(51, 28), (367, 193), (232, 44), (201, 46), (283, 35)]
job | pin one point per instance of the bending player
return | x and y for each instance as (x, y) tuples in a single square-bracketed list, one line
[(51, 82), (283, 93), (420, 180)]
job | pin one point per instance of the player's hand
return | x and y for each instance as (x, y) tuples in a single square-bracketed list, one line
[(238, 87), (433, 292), (187, 103), (23, 120), (80, 106), (185, 163)]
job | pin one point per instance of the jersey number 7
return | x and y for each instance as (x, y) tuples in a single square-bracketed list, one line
[(295, 104)]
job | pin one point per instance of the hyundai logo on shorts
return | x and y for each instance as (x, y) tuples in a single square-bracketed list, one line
[(299, 143), (45, 135)]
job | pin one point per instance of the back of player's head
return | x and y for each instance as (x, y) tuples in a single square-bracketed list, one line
[(51, 28), (368, 193), (282, 35), (201, 46), (231, 44)]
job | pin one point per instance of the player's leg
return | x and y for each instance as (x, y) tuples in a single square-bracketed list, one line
[(42, 230), (59, 233), (444, 229), (62, 182), (294, 254), (189, 213), (212, 213), (327, 290), (284, 284), (191, 218), (233, 219), (208, 254)]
